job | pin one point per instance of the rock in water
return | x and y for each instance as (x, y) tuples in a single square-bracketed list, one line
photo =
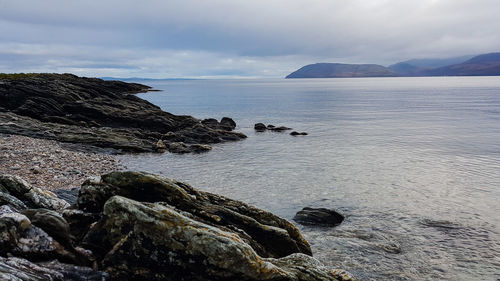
[(260, 127), (227, 123), (318, 216)]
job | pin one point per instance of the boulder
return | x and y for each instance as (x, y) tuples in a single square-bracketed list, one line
[(260, 127), (227, 124), (154, 241), (269, 235), (318, 216)]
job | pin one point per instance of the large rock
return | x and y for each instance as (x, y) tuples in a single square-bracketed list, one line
[(95, 112), (269, 235), (154, 241)]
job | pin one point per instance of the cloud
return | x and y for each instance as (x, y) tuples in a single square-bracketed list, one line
[(243, 38)]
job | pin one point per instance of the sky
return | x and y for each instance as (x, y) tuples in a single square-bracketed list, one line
[(235, 38)]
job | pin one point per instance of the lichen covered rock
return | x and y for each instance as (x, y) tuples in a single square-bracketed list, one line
[(269, 235), (153, 241)]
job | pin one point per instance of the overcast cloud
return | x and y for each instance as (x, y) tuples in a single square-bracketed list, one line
[(232, 38)]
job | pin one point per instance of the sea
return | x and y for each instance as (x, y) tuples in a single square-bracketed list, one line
[(412, 163)]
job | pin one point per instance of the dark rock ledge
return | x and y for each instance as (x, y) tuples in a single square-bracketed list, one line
[(137, 226), (100, 113)]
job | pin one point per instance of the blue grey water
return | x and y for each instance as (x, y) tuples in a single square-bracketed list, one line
[(413, 163)]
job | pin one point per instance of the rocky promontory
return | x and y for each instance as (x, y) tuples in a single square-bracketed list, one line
[(138, 226), (100, 113)]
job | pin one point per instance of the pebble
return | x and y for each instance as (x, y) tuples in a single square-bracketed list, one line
[(51, 165)]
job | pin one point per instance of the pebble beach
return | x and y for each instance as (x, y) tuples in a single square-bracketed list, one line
[(50, 164)]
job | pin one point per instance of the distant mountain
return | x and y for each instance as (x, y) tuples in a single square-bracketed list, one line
[(435, 63), (417, 67), (332, 70), (481, 65)]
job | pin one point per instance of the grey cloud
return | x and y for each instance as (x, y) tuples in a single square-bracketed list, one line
[(138, 34)]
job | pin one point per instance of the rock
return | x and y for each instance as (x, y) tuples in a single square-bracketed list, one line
[(17, 269), (198, 148), (19, 237), (268, 234), (260, 127), (160, 146), (92, 111), (279, 129), (318, 216), (295, 133), (178, 147), (68, 195), (31, 196), (11, 201), (153, 241), (210, 122), (52, 223), (227, 123), (79, 223)]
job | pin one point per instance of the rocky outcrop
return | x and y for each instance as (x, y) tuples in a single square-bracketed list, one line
[(318, 216), (138, 226), (295, 133), (260, 127), (99, 113)]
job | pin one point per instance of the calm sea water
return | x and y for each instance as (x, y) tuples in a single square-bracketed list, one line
[(413, 163)]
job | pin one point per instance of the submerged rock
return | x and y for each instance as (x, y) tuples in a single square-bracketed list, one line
[(295, 133), (318, 216)]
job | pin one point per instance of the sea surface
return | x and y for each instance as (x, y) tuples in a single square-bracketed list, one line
[(413, 164)]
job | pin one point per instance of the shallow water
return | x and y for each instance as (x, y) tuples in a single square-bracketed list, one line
[(413, 163)]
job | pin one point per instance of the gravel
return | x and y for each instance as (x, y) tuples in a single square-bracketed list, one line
[(52, 165)]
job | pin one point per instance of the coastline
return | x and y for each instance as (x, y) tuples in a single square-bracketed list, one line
[(53, 165)]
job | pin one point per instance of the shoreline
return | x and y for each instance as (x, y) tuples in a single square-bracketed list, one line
[(52, 165)]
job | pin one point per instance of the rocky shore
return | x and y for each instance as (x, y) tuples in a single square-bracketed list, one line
[(51, 164), (124, 225), (100, 113), (137, 226)]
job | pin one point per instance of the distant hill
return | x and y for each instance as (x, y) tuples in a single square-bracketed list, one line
[(481, 65), (417, 67), (332, 70)]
